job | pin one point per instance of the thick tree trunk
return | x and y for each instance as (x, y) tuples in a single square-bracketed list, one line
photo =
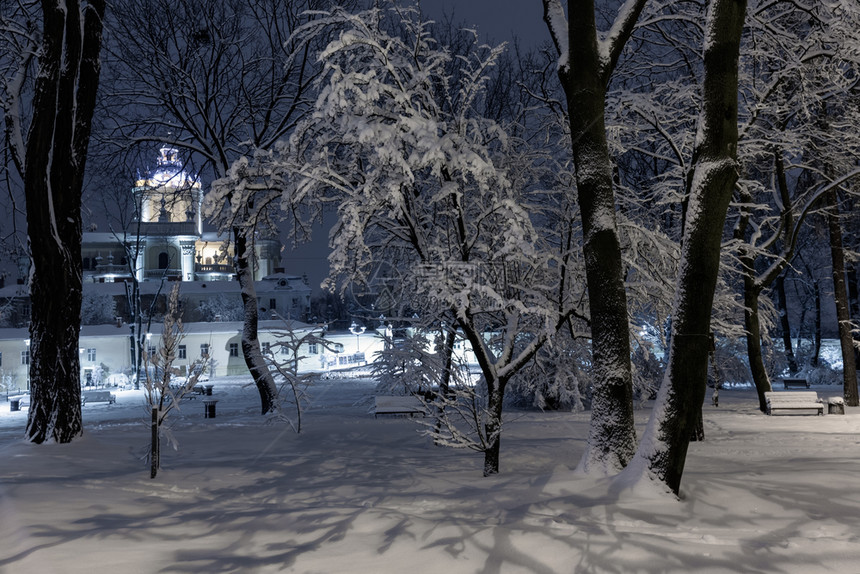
[(663, 450), (63, 102), (846, 340), (250, 343), (612, 437), (785, 325)]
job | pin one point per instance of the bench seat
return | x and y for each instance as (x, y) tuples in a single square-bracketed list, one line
[(398, 405)]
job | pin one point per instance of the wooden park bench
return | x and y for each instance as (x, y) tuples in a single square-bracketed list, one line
[(795, 384), (793, 401), (97, 397), (398, 405)]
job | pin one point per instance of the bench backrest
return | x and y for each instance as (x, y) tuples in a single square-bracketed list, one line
[(396, 401), (792, 396)]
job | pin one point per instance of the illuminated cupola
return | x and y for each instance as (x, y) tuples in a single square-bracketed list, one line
[(169, 193)]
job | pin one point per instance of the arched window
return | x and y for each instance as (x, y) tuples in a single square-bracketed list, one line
[(163, 259)]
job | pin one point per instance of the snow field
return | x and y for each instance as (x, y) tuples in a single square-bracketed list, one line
[(355, 494)]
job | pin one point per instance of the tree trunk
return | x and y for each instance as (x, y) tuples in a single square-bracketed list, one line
[(250, 343), (846, 340), (612, 437), (63, 102), (155, 445), (447, 361), (782, 303), (816, 336), (752, 325), (493, 426), (751, 290), (663, 450), (854, 306)]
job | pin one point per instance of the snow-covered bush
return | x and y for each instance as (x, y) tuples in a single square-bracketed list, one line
[(283, 359), (557, 379), (821, 375), (407, 366), (228, 308), (98, 309)]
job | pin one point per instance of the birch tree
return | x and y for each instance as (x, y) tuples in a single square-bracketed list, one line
[(48, 96)]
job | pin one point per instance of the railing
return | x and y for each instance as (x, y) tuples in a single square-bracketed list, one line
[(166, 228), (213, 268), (159, 273), (110, 269), (351, 359)]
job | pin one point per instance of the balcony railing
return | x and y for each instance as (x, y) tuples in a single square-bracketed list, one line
[(213, 268), (111, 269), (166, 273), (166, 228)]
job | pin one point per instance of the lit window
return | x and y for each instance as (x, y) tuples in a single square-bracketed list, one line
[(234, 349)]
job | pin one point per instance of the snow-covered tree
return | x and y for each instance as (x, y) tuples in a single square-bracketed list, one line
[(419, 177), (98, 309), (291, 347), (790, 155), (227, 307), (51, 58)]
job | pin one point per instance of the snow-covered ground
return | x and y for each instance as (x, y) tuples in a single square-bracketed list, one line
[(358, 494)]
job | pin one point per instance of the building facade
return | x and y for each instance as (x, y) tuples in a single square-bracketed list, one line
[(165, 242), (106, 350), (165, 238)]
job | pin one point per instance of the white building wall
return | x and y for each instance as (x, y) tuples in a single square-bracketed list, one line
[(112, 349)]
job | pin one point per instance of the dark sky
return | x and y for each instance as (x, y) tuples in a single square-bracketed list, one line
[(495, 20)]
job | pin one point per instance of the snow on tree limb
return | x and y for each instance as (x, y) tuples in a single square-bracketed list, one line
[(556, 21), (612, 43)]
